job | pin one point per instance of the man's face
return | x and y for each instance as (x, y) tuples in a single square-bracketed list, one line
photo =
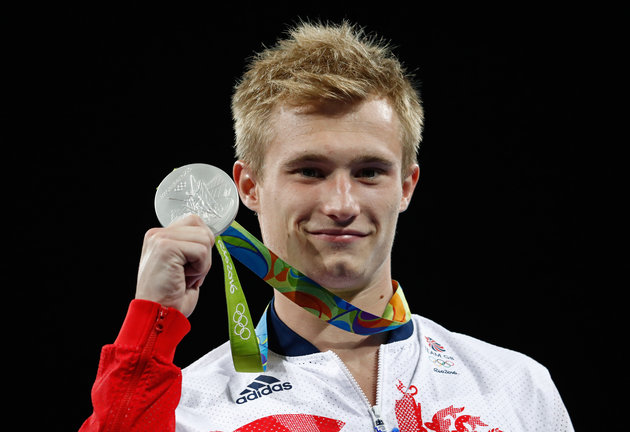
[(331, 192)]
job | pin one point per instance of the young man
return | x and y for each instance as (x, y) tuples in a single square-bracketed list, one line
[(327, 128)]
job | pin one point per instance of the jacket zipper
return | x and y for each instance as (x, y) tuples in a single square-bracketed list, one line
[(375, 411), (145, 356), (377, 421)]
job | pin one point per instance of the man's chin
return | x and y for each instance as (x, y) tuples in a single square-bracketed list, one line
[(340, 279)]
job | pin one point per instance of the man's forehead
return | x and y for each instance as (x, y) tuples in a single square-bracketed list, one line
[(370, 127), (333, 108), (372, 116)]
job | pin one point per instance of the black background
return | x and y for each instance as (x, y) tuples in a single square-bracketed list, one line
[(493, 244)]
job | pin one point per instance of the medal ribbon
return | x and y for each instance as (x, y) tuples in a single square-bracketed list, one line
[(250, 355)]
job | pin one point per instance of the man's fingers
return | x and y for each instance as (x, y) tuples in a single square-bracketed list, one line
[(189, 229), (174, 262), (194, 234), (197, 257), (188, 220)]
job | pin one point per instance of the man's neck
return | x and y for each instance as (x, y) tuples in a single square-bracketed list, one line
[(358, 352)]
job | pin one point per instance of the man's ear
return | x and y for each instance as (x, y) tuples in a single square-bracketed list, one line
[(246, 183), (408, 186)]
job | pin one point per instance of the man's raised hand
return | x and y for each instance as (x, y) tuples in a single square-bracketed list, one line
[(174, 263)]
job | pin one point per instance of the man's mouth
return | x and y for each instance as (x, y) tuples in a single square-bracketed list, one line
[(337, 235)]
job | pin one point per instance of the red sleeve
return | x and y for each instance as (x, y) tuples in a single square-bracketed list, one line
[(137, 386)]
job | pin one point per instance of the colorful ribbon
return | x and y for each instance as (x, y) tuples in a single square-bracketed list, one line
[(293, 284)]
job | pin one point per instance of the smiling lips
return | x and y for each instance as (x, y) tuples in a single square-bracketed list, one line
[(337, 235)]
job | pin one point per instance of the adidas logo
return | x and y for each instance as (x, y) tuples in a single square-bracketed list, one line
[(263, 385)]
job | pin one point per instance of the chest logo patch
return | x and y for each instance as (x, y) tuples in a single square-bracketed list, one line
[(262, 386), (434, 345)]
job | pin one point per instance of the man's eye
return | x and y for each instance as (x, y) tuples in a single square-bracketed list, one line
[(368, 173), (310, 172)]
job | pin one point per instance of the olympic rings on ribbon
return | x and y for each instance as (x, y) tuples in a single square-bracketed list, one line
[(445, 363), (240, 326)]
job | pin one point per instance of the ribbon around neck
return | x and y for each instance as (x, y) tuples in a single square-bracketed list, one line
[(249, 345)]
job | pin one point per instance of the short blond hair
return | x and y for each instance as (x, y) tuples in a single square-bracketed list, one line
[(322, 63)]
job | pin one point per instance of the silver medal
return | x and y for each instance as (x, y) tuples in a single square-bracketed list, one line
[(200, 189)]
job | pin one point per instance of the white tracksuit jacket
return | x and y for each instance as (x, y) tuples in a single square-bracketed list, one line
[(429, 379)]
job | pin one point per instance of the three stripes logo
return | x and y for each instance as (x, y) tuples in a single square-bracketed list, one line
[(263, 385)]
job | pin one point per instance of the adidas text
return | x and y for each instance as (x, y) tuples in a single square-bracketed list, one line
[(264, 391), (263, 385)]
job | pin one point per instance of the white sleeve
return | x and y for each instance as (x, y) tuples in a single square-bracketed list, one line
[(553, 415)]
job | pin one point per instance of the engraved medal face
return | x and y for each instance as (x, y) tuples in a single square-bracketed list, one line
[(200, 189)]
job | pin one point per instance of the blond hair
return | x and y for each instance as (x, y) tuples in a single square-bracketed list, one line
[(320, 63)]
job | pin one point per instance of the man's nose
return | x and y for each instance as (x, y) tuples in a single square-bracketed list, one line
[(339, 200)]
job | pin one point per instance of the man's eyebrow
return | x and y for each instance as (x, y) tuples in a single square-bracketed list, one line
[(322, 158), (373, 159), (306, 158)]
